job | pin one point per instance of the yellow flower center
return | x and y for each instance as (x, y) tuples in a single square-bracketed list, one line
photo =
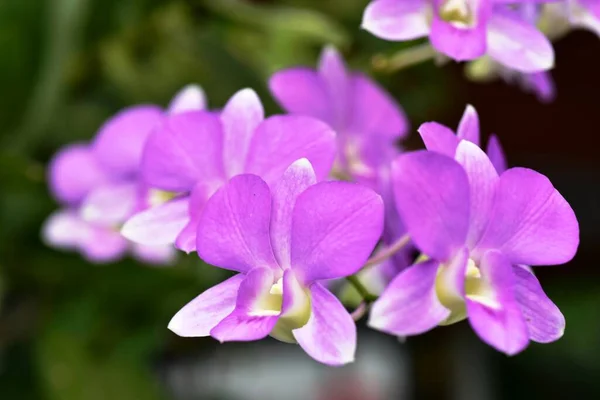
[(270, 304), (476, 289), (157, 197), (458, 13)]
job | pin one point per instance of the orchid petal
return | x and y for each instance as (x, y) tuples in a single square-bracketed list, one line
[(335, 227), (518, 44), (281, 140), (201, 315), (295, 180), (190, 98), (433, 198), (483, 180), (73, 172), (158, 225), (245, 323), (544, 320), (241, 116), (187, 148), (531, 223), (438, 138), (375, 111), (397, 19), (330, 334), (409, 305), (110, 204), (120, 141), (301, 91), (233, 231), (496, 154), (468, 128), (498, 321)]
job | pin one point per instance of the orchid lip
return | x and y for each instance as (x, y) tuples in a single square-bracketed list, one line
[(459, 13)]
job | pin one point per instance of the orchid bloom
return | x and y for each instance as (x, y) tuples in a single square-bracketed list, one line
[(464, 30), (366, 119), (477, 230), (100, 186), (283, 240), (442, 139), (191, 155)]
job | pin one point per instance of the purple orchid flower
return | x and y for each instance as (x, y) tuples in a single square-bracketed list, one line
[(476, 230), (193, 154), (464, 30), (283, 240), (367, 120), (100, 186), (442, 139)]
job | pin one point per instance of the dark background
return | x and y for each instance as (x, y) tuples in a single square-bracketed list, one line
[(71, 330)]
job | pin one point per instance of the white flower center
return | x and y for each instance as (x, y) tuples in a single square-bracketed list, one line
[(476, 289)]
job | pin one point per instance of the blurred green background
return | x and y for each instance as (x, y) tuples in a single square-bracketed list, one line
[(70, 330)]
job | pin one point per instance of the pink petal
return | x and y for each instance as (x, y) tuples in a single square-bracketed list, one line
[(158, 225), (502, 325), (544, 320), (281, 140), (110, 204), (397, 20), (373, 110), (335, 227), (330, 334), (295, 180), (185, 150), (483, 180), (302, 91), (518, 44), (496, 154), (468, 128), (73, 172), (336, 79), (461, 43), (433, 198), (233, 231), (120, 141), (242, 325), (409, 305), (190, 98), (201, 315), (241, 116), (531, 223), (439, 138)]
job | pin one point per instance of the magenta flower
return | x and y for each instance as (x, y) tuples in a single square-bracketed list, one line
[(477, 230), (367, 120), (464, 30), (193, 154), (442, 139), (283, 240), (99, 185)]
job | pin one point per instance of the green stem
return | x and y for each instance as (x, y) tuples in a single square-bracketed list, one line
[(404, 58), (363, 291)]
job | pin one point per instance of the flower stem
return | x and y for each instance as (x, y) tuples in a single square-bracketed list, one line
[(388, 252), (363, 291), (404, 58)]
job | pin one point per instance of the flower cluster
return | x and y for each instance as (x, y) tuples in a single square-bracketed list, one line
[(507, 38), (292, 202)]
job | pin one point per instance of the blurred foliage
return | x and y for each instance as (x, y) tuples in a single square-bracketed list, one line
[(70, 330)]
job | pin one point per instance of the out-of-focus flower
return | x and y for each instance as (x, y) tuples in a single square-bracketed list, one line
[(283, 240), (100, 186), (442, 139), (464, 30), (192, 154), (367, 120), (476, 229)]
